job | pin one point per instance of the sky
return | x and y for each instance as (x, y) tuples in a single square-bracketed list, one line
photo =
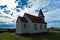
[(10, 10)]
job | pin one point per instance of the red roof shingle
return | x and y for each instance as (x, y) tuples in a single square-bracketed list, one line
[(35, 19)]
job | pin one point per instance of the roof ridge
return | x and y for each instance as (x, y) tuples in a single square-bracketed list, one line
[(30, 14)]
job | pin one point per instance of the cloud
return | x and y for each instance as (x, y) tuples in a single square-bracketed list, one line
[(15, 8), (28, 6), (2, 6), (51, 5), (7, 12), (10, 4), (52, 15)]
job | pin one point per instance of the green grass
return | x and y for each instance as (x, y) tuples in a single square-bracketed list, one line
[(46, 36)]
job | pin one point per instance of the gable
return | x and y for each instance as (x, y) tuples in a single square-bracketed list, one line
[(22, 19)]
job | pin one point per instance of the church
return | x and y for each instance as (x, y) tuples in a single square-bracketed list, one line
[(31, 24)]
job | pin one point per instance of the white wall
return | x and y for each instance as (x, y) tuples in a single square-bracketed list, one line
[(30, 24), (45, 29), (32, 30), (24, 30), (18, 26)]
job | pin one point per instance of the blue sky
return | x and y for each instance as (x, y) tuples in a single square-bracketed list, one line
[(10, 10)]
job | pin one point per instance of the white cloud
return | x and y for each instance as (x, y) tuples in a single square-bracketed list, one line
[(35, 5), (50, 5), (10, 6), (10, 3), (52, 15)]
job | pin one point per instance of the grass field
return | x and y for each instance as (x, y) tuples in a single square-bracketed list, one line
[(46, 36)]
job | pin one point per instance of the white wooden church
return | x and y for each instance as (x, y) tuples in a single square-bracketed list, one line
[(31, 24)]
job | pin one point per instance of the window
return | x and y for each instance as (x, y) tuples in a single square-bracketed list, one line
[(45, 27), (35, 26), (24, 25), (40, 26)]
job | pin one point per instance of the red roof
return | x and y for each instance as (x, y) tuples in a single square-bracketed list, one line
[(23, 19), (35, 19)]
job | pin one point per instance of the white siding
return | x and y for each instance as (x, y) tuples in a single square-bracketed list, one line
[(18, 26), (45, 29), (30, 25), (24, 30), (32, 30)]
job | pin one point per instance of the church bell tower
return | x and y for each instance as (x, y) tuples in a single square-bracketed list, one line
[(41, 14)]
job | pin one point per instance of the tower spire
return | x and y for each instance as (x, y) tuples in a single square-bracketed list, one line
[(40, 13)]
